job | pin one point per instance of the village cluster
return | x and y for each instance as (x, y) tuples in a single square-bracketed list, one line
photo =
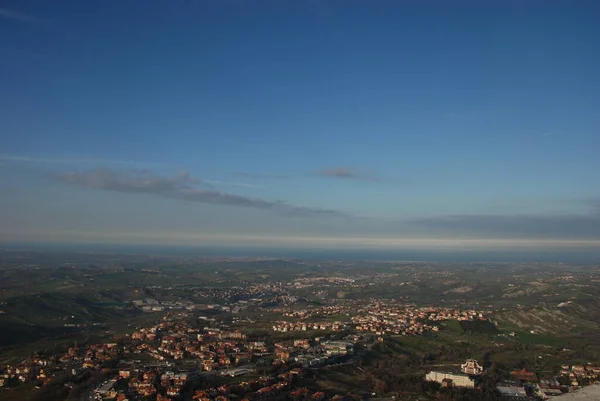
[(147, 362), (382, 317)]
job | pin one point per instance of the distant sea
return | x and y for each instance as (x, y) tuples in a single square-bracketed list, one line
[(586, 256)]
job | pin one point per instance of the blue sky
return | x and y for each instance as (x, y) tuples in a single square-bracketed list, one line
[(353, 123)]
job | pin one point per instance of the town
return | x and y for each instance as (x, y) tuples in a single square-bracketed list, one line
[(403, 330), (164, 361)]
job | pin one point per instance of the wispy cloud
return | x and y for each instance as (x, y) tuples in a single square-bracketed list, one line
[(141, 181), (17, 16), (181, 187), (347, 174), (260, 176), (77, 160), (233, 184)]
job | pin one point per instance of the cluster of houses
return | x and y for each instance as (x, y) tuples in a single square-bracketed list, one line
[(261, 387), (284, 326), (162, 382), (321, 310), (311, 281), (578, 375), (383, 318), (213, 348), (148, 382), (253, 292), (41, 370), (153, 305), (220, 298)]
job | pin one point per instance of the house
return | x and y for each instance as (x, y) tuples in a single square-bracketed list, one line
[(282, 353), (524, 376)]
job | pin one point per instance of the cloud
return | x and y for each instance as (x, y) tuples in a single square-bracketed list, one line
[(17, 16), (518, 226), (33, 159), (345, 173), (260, 176), (140, 181), (181, 187), (77, 160), (233, 184)]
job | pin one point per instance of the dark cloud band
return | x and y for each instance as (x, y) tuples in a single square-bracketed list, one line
[(345, 173), (181, 187), (511, 226)]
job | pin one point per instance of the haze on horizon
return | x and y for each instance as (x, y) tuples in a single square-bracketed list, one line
[(463, 125)]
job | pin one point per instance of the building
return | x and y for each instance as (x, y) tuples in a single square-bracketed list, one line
[(512, 392), (524, 376), (458, 379), (337, 347), (236, 372), (106, 390), (471, 367)]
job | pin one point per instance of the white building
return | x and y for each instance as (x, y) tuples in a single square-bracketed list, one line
[(458, 379), (471, 367)]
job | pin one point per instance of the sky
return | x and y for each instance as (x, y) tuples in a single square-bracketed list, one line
[(315, 123)]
